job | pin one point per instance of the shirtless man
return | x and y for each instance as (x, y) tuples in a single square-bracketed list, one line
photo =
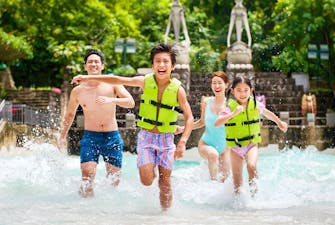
[(101, 135), (161, 101)]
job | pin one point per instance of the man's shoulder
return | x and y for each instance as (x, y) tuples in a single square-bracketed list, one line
[(77, 89)]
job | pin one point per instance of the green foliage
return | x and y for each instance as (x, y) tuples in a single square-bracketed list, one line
[(141, 58), (264, 46), (198, 30), (3, 93), (204, 58), (69, 53), (124, 70), (290, 60), (298, 23), (13, 47), (41, 88), (45, 36), (320, 89), (61, 31)]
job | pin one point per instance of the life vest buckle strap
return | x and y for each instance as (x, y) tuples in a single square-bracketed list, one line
[(230, 124), (156, 123), (238, 140), (250, 122), (161, 105)]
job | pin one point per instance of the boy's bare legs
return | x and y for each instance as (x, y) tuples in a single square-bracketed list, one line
[(147, 176), (147, 173), (165, 188)]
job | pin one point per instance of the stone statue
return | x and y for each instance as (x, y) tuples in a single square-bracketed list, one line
[(308, 104), (239, 54), (182, 69), (176, 18), (238, 17)]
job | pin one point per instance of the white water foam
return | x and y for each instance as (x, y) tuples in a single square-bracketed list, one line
[(38, 185)]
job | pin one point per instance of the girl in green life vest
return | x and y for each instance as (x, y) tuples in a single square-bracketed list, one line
[(241, 118)]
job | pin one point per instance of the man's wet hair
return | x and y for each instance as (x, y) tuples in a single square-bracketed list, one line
[(162, 47), (94, 52)]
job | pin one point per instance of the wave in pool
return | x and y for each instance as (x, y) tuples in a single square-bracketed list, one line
[(38, 185)]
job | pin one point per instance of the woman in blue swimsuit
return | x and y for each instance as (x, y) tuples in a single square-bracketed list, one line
[(212, 145)]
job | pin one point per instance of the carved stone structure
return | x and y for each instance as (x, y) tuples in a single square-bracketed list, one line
[(239, 54), (238, 17), (177, 19)]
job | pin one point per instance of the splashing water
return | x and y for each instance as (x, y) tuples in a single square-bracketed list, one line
[(38, 185)]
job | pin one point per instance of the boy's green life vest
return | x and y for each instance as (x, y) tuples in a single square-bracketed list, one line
[(244, 127), (167, 109)]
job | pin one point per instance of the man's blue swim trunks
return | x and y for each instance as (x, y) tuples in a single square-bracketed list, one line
[(108, 144)]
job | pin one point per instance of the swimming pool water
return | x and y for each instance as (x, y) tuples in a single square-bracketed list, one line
[(38, 185)]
